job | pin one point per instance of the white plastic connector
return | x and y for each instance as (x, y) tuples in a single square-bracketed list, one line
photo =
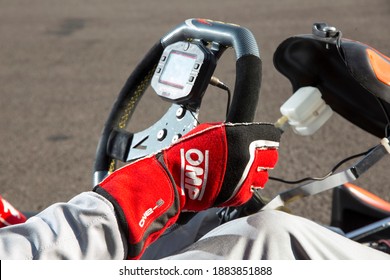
[(385, 143), (306, 111)]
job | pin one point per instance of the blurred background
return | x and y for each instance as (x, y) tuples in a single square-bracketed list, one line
[(62, 64)]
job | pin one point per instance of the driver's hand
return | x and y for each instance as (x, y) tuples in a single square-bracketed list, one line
[(214, 165)]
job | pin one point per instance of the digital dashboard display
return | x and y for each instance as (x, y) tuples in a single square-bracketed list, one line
[(178, 68), (183, 72)]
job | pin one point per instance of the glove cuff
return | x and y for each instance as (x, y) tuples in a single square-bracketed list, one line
[(145, 199)]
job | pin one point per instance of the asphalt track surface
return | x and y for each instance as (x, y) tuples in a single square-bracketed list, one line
[(62, 64)]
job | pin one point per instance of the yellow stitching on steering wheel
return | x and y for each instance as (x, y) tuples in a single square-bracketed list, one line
[(130, 107), (133, 100)]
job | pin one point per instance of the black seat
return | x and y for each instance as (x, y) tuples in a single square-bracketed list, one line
[(351, 76), (369, 67), (354, 207)]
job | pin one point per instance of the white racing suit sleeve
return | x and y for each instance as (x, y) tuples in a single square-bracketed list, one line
[(83, 228)]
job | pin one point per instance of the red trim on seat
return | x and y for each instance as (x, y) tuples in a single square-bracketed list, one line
[(381, 65), (368, 197)]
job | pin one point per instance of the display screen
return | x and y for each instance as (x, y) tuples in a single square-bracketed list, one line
[(178, 68)]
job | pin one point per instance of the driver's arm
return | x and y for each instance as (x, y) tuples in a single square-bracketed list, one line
[(83, 228), (215, 165)]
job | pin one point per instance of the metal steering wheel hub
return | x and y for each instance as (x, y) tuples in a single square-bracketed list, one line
[(176, 122)]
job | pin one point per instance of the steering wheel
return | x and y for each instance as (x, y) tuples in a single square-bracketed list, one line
[(118, 144)]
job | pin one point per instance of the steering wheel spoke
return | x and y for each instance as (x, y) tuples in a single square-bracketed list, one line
[(126, 146), (176, 122)]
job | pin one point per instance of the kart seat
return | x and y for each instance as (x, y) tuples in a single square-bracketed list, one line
[(352, 77), (354, 207), (368, 198), (369, 67)]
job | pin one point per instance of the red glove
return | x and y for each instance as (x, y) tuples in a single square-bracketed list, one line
[(214, 165), (9, 215)]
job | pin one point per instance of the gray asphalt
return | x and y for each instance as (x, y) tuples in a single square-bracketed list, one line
[(62, 63)]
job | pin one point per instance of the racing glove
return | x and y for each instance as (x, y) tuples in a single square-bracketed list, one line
[(215, 165), (9, 215)]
